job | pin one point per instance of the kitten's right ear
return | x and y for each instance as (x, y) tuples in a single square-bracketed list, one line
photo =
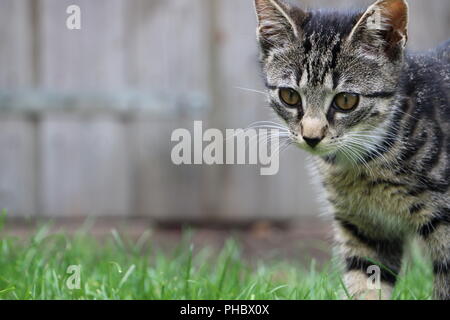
[(278, 22)]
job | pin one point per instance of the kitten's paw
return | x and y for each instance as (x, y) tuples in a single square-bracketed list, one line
[(358, 288)]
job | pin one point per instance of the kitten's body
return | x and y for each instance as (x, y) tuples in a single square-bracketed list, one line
[(391, 182), (416, 161), (405, 192)]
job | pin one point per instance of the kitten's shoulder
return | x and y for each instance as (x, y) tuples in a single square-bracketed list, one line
[(426, 81), (442, 56), (443, 52), (427, 71), (434, 59)]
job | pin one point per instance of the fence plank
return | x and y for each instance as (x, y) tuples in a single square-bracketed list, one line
[(167, 45), (85, 166), (162, 190), (92, 58), (17, 169), (16, 44), (168, 51)]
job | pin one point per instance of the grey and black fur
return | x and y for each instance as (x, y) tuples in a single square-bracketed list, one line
[(385, 165)]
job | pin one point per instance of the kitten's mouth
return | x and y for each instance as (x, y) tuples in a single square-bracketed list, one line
[(322, 149)]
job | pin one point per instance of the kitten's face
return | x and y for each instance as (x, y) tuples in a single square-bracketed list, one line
[(331, 76)]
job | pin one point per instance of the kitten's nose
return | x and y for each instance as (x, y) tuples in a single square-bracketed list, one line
[(313, 142), (313, 130)]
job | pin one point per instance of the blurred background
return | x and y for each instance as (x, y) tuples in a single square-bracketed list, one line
[(86, 115)]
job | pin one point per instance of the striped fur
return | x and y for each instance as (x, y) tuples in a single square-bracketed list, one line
[(385, 166)]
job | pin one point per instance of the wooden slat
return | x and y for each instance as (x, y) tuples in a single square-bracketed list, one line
[(16, 44), (85, 166), (429, 23), (166, 45), (163, 190), (17, 165), (168, 51), (88, 59)]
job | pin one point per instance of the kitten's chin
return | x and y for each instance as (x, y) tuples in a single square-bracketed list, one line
[(320, 150)]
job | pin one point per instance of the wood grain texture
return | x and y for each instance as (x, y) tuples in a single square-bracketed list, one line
[(16, 38), (161, 189), (92, 58), (17, 169), (85, 166)]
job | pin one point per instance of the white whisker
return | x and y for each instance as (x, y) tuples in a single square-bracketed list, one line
[(251, 90)]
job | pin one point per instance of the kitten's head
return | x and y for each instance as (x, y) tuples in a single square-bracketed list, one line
[(332, 75)]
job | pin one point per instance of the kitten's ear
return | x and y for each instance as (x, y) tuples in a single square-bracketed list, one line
[(278, 22), (383, 27)]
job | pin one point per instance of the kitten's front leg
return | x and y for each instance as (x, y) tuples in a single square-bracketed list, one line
[(436, 234), (363, 255)]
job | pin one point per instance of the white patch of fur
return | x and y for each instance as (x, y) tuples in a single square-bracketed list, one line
[(356, 283)]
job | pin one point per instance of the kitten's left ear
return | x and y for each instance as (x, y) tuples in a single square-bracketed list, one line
[(384, 26)]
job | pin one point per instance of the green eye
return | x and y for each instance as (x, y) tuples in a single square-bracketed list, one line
[(290, 97), (346, 101)]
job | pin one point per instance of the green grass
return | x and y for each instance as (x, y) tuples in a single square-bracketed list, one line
[(116, 268)]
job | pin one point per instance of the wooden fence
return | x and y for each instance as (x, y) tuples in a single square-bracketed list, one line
[(86, 115)]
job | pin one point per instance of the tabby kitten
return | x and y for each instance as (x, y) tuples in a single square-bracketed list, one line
[(377, 120)]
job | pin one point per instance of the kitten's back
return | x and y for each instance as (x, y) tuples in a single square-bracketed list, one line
[(443, 52)]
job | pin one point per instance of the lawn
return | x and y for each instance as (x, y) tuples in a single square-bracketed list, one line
[(118, 268)]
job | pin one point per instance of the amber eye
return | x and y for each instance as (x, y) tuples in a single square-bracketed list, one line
[(290, 97), (346, 101)]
